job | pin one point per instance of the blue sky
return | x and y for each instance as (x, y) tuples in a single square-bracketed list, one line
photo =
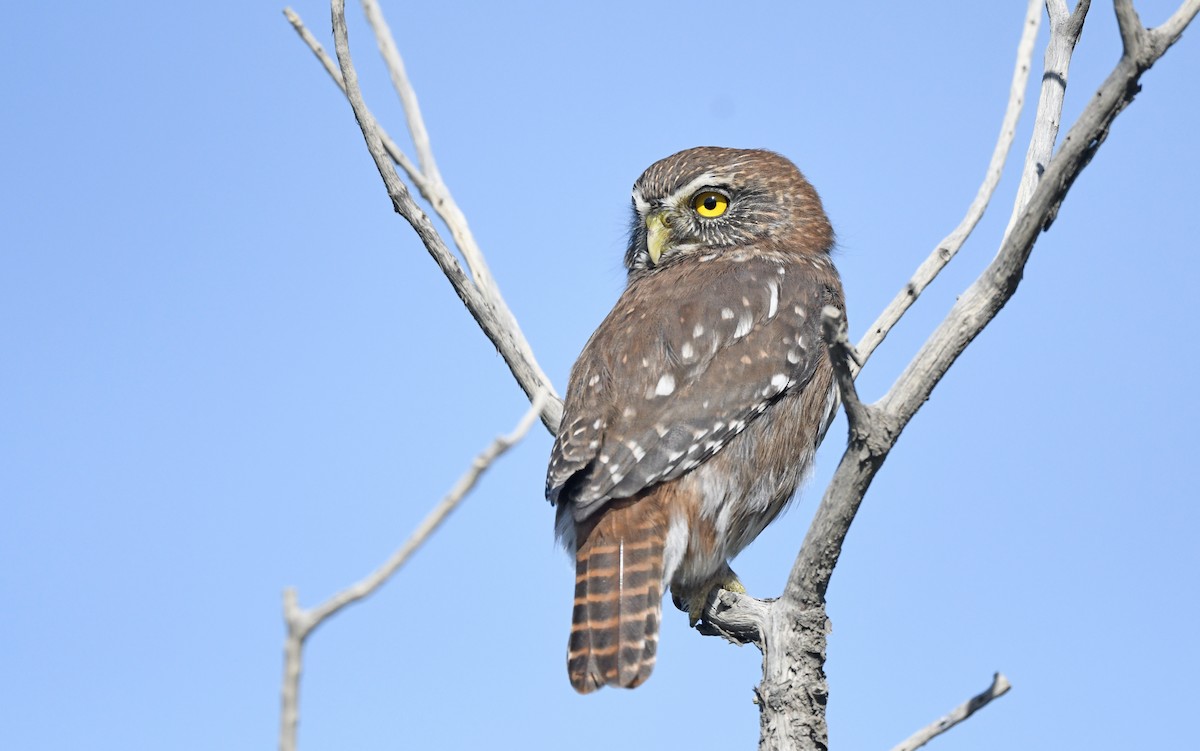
[(229, 368)]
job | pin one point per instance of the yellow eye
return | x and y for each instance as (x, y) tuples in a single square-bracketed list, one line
[(710, 204)]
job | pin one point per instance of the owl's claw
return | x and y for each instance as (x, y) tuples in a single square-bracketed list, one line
[(694, 600)]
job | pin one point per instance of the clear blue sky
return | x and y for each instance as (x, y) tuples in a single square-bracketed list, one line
[(228, 368)]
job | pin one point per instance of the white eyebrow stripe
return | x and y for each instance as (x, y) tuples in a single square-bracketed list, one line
[(639, 203), (685, 192)]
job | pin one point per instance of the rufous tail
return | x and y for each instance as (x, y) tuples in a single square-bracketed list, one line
[(618, 595)]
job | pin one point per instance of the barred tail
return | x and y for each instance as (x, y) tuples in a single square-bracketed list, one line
[(618, 595)]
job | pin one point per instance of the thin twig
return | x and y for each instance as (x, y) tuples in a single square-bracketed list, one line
[(301, 623), (843, 357), (488, 310), (435, 517), (404, 90), (999, 687), (950, 245), (443, 202), (393, 150)]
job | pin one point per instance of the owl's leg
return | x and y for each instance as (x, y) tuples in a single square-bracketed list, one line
[(693, 598)]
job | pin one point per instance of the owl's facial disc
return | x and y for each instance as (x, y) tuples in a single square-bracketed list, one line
[(658, 233)]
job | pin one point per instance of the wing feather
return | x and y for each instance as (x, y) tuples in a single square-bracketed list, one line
[(670, 376)]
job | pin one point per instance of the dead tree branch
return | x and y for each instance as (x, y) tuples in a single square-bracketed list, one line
[(794, 718), (478, 292), (301, 623), (999, 687)]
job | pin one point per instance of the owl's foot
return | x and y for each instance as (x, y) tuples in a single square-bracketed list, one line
[(694, 599)]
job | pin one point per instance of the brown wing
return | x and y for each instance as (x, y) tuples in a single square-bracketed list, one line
[(678, 368)]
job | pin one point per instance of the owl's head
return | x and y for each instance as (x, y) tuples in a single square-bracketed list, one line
[(710, 200)]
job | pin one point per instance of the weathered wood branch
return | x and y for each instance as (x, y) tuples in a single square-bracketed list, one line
[(872, 439)]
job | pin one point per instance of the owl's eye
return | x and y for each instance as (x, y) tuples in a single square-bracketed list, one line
[(710, 204)]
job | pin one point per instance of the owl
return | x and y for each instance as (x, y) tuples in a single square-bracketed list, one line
[(694, 410)]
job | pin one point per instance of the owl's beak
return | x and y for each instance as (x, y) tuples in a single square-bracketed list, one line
[(658, 231)]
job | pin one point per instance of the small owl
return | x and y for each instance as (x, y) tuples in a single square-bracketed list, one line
[(695, 409)]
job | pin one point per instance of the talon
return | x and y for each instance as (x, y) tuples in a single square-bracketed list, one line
[(694, 600)]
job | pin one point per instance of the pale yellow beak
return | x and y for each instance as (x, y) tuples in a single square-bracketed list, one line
[(658, 231)]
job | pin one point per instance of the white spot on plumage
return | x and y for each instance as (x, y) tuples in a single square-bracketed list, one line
[(793, 356), (594, 380), (745, 301), (744, 326), (662, 431), (666, 385), (604, 458), (686, 351), (629, 412), (773, 303), (698, 331), (726, 314), (637, 451), (779, 381), (596, 425)]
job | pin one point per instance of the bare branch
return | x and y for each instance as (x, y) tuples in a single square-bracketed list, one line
[(293, 663), (950, 245), (793, 718), (434, 519), (301, 623), (999, 687), (488, 310), (1064, 33), (988, 294)]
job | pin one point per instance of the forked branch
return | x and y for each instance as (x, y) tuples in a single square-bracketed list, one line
[(301, 623), (478, 292)]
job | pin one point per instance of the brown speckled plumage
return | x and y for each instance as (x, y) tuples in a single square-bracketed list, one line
[(694, 410)]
